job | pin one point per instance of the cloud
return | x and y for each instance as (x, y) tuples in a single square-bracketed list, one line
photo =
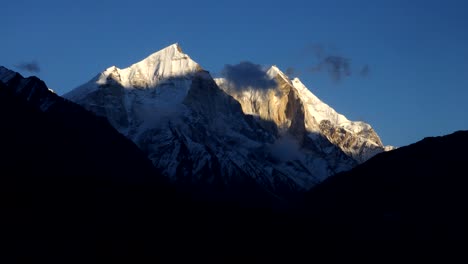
[(365, 71), (317, 49), (328, 60), (336, 66), (32, 67), (291, 72), (247, 74)]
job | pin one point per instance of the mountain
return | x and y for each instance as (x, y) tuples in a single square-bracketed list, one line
[(199, 135), (414, 195), (357, 139)]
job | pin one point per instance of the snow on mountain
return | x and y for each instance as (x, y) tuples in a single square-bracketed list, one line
[(197, 134), (356, 139)]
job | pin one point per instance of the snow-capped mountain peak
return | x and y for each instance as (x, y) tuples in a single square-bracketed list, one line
[(198, 131), (166, 63), (274, 72), (159, 68)]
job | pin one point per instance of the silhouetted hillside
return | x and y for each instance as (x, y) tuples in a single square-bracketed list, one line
[(69, 182), (413, 195)]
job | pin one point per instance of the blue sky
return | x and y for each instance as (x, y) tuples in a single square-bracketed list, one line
[(416, 51)]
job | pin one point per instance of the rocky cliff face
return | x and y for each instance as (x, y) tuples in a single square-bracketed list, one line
[(296, 111), (360, 145)]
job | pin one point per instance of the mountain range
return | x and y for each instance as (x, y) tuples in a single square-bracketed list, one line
[(160, 160), (279, 140)]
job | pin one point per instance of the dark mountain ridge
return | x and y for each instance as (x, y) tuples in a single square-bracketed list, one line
[(417, 193), (67, 177)]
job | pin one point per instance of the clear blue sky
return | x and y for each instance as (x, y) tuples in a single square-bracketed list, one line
[(417, 51)]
